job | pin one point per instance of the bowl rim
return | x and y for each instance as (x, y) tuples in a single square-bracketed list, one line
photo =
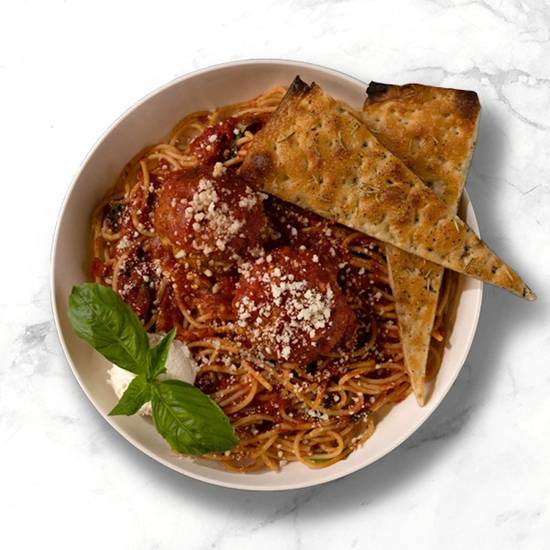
[(434, 402)]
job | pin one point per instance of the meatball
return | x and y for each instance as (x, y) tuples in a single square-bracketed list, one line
[(291, 307), (209, 218)]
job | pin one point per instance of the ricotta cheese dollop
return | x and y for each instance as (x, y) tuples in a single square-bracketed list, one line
[(179, 365)]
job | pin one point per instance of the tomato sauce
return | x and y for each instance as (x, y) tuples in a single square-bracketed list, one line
[(209, 146)]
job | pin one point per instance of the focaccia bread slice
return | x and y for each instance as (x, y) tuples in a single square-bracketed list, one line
[(317, 153), (433, 131)]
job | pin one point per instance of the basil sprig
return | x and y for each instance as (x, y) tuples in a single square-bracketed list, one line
[(187, 418)]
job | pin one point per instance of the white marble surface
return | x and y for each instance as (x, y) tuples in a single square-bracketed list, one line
[(475, 476)]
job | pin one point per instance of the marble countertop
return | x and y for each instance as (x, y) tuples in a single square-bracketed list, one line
[(475, 476)]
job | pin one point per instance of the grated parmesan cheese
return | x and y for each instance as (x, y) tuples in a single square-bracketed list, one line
[(219, 170), (292, 312), (211, 215)]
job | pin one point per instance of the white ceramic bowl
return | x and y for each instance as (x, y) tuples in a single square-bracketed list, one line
[(146, 123)]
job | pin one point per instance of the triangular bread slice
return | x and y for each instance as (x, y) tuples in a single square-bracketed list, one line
[(433, 131), (317, 153)]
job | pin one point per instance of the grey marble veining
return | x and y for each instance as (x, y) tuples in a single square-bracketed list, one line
[(474, 476)]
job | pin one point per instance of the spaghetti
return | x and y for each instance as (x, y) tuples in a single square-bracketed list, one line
[(288, 400)]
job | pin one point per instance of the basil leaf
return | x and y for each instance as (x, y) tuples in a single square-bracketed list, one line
[(135, 396), (99, 316), (189, 420), (159, 355)]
